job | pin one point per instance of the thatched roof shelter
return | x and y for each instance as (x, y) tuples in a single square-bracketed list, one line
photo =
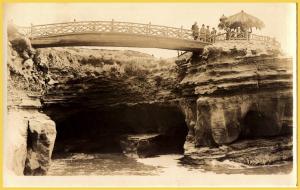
[(244, 20)]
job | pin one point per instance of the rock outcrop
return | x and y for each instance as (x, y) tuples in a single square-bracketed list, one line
[(236, 92), (40, 142), (30, 133), (244, 156)]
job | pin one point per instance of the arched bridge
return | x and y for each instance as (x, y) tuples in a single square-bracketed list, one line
[(111, 33)]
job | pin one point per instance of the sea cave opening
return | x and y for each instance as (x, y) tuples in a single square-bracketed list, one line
[(143, 129)]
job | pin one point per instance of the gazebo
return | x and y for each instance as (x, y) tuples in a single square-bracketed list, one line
[(239, 26)]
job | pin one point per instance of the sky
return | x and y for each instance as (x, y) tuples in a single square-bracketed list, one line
[(279, 18)]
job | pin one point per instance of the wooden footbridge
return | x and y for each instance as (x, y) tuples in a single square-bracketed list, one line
[(111, 33), (123, 34)]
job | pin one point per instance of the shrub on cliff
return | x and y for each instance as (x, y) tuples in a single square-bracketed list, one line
[(19, 42), (23, 46), (92, 60), (135, 70)]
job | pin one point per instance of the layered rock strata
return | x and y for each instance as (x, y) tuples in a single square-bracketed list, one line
[(237, 92)]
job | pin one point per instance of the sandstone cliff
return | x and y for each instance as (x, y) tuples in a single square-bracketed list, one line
[(235, 92), (230, 93), (238, 91)]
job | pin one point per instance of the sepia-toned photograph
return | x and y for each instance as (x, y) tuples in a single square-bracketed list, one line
[(150, 95)]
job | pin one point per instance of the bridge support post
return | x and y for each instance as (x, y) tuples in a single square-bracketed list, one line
[(31, 28), (112, 25), (149, 28), (181, 31)]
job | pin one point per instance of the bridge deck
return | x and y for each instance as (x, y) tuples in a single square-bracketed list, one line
[(117, 40)]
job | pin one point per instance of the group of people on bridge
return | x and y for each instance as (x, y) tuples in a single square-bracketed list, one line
[(204, 34)]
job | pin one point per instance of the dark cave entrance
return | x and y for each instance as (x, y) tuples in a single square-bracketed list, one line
[(258, 124), (147, 129)]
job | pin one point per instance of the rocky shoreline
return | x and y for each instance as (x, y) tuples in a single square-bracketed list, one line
[(232, 102)]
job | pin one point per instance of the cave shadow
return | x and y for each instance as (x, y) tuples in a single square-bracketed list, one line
[(146, 129)]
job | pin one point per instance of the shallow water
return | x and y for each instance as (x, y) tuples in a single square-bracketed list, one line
[(99, 164), (164, 165)]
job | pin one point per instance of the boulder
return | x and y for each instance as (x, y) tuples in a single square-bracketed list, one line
[(41, 137), (30, 140), (143, 145), (149, 145)]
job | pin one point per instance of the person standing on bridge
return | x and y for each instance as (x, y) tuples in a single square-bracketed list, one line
[(213, 35), (202, 33), (207, 34), (195, 30)]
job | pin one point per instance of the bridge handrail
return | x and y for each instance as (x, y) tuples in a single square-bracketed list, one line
[(59, 23), (103, 26), (252, 37), (220, 37), (24, 30), (261, 38)]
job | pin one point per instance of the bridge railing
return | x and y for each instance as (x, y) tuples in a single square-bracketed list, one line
[(220, 37), (24, 30), (48, 30), (251, 37), (268, 39)]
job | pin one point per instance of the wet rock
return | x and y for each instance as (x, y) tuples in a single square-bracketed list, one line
[(147, 148), (245, 156), (264, 151), (139, 145), (149, 145)]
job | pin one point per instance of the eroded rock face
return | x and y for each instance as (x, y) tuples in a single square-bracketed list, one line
[(238, 93), (95, 78), (231, 117), (30, 133)]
